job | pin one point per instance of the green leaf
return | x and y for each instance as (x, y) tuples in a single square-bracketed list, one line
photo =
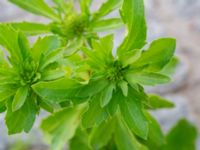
[(106, 95), (134, 17), (85, 6), (31, 28), (157, 102), (2, 107), (95, 114), (100, 135), (38, 7), (158, 54), (147, 78), (131, 109), (125, 139), (124, 87), (11, 44), (79, 141), (54, 56), (182, 137), (23, 46), (45, 46), (5, 94), (106, 24), (58, 90), (20, 98), (61, 126), (130, 57), (49, 75), (170, 68), (22, 119), (107, 7), (156, 137)]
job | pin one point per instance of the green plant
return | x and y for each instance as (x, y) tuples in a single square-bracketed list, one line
[(94, 92)]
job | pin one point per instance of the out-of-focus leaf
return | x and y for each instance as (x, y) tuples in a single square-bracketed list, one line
[(100, 135), (182, 137), (38, 7), (61, 126), (22, 119), (31, 28), (125, 139), (157, 102)]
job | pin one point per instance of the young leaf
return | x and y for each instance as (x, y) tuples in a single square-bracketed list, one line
[(133, 16), (130, 57), (157, 102), (31, 28), (131, 109), (158, 54), (106, 95), (125, 139), (38, 7), (147, 78), (22, 119), (45, 46), (85, 6), (19, 98), (124, 87), (170, 68), (182, 137)]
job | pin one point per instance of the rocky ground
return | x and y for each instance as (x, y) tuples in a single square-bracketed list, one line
[(179, 19)]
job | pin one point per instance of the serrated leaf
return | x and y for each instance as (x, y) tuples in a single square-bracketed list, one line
[(125, 139), (133, 15), (38, 7), (147, 78), (158, 54), (182, 137), (22, 119), (31, 28), (157, 102), (85, 6), (19, 98)]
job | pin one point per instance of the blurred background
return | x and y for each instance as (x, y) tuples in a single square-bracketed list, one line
[(175, 18)]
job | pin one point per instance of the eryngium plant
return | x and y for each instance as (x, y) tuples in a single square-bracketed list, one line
[(96, 95)]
